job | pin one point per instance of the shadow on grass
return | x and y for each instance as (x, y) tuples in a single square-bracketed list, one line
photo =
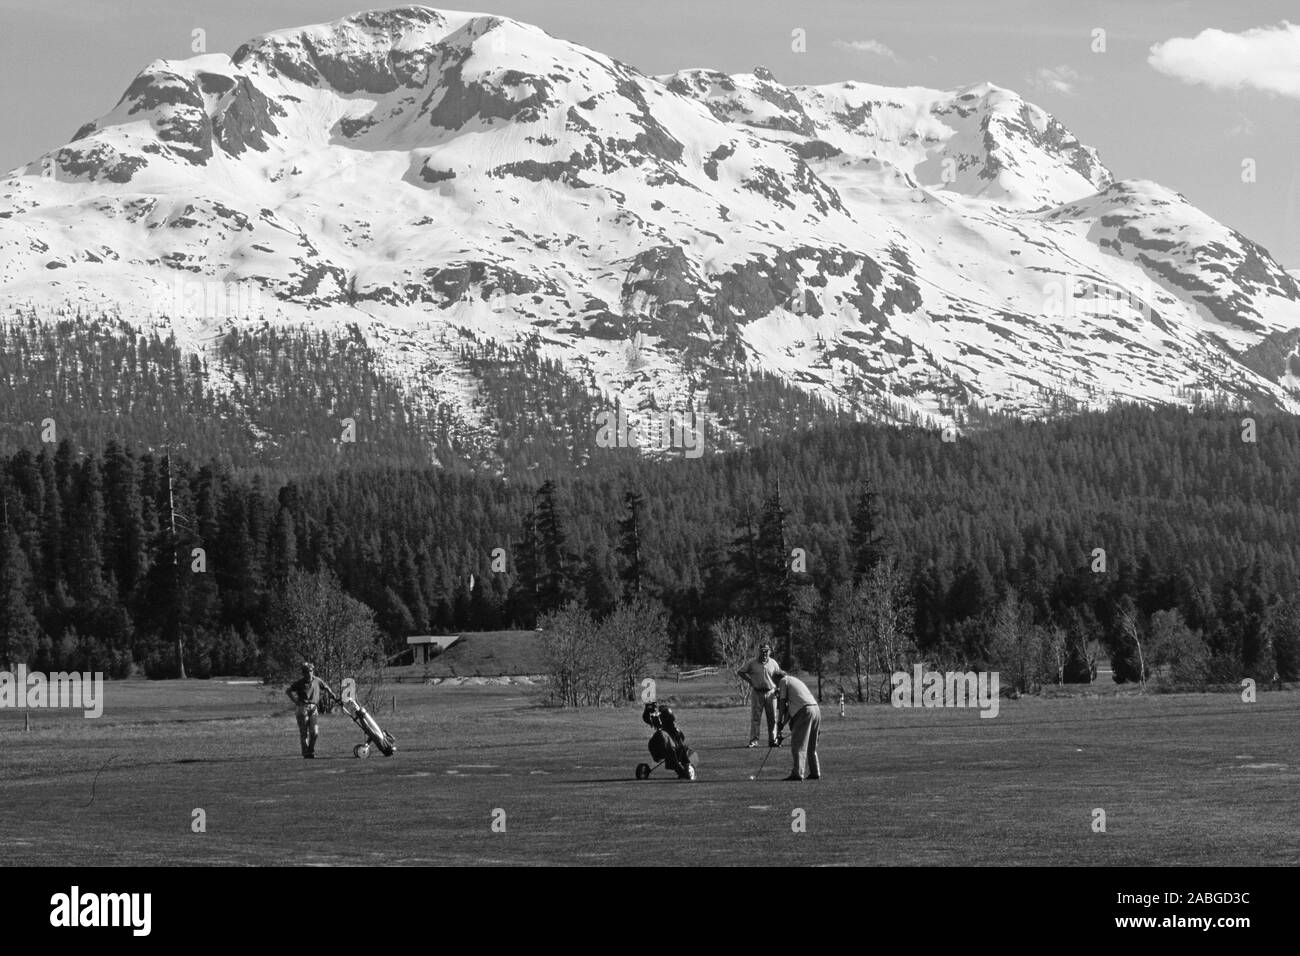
[(695, 783), (144, 765)]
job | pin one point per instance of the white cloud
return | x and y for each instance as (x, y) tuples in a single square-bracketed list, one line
[(874, 47), (1262, 58), (1062, 79)]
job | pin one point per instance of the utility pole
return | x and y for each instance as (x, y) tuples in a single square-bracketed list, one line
[(176, 574)]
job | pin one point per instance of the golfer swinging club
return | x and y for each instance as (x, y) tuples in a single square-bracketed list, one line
[(307, 693), (762, 673)]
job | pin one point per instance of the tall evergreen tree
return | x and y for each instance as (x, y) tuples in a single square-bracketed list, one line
[(237, 569), (19, 631), (599, 595), (1257, 656), (775, 579), (928, 599), (124, 520), (555, 587), (52, 533), (284, 546), (867, 542), (630, 543), (528, 572), (484, 610), (741, 579), (86, 561)]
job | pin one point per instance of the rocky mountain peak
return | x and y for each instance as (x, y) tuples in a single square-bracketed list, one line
[(427, 177)]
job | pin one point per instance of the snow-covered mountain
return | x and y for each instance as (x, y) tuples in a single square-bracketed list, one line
[(431, 177)]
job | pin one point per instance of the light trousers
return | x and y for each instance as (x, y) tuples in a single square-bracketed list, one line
[(307, 730), (803, 743), (760, 704)]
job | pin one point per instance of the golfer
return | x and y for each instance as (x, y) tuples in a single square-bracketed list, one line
[(799, 709), (762, 673), (307, 693)]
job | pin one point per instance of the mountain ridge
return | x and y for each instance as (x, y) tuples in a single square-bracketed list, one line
[(905, 254)]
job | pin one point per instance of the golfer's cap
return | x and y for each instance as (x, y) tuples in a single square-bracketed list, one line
[(765, 647)]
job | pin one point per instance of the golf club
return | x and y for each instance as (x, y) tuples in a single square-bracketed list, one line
[(763, 763)]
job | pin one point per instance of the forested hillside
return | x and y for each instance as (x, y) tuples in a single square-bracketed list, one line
[(276, 399), (1191, 518)]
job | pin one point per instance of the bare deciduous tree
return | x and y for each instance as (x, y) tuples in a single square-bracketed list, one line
[(635, 634), (593, 663), (1055, 652), (1130, 628), (1179, 656), (891, 611), (734, 640), (851, 621), (872, 621), (316, 621), (570, 646), (1015, 643)]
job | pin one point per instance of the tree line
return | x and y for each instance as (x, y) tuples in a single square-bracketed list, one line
[(852, 545)]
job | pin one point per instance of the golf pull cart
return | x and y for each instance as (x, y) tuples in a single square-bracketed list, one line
[(667, 744), (375, 737)]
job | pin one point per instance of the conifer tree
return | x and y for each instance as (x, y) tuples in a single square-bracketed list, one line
[(867, 542), (19, 631), (774, 573), (555, 578), (630, 542)]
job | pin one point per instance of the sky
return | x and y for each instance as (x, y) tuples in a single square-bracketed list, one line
[(1202, 96)]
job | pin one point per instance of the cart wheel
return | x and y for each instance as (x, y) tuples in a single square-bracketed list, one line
[(690, 772), (361, 751), (642, 771)]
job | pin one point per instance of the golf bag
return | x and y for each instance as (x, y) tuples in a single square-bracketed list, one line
[(667, 743), (375, 737)]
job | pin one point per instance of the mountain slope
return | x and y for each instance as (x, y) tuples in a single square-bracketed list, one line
[(431, 177)]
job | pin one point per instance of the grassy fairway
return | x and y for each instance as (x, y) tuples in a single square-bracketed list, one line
[(1195, 779)]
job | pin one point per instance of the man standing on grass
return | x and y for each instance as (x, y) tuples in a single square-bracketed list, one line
[(762, 673), (799, 709), (307, 693)]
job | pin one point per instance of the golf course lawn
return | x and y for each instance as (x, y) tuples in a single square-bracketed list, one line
[(1183, 779)]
